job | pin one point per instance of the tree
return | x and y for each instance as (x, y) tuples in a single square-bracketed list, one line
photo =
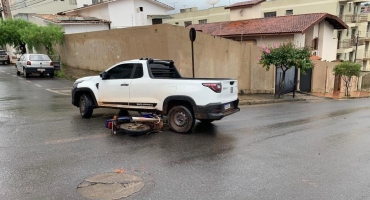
[(11, 32), (19, 32), (347, 70), (285, 57), (46, 36)]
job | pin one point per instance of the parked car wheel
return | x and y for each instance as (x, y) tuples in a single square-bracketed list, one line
[(86, 106), (181, 119), (206, 121), (18, 73)]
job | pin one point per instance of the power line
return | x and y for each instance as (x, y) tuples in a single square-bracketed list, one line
[(35, 2), (24, 3)]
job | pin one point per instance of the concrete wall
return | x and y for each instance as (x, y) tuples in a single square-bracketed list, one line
[(214, 57), (366, 82), (327, 44), (323, 78), (83, 28)]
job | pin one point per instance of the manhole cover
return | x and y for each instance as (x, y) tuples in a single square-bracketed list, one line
[(110, 186)]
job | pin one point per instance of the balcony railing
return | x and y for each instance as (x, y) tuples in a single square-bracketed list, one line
[(345, 44), (354, 18)]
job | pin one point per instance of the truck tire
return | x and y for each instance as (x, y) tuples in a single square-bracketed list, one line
[(181, 119), (86, 106)]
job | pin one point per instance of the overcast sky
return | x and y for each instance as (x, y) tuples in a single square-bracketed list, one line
[(201, 4)]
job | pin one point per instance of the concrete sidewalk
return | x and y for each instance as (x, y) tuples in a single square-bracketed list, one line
[(245, 99)]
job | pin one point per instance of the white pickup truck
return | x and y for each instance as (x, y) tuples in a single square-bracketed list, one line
[(156, 86)]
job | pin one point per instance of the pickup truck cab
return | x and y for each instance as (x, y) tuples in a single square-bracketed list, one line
[(156, 86)]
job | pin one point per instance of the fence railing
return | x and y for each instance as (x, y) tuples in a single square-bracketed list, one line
[(354, 18)]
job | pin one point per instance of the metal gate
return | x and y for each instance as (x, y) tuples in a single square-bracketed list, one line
[(289, 80), (305, 82)]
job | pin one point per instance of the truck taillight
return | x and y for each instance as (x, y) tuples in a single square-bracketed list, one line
[(51, 64), (28, 62), (216, 87)]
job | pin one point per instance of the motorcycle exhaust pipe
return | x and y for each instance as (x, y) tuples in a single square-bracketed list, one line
[(143, 119)]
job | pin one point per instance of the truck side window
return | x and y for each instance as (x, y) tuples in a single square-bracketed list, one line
[(139, 71), (122, 71)]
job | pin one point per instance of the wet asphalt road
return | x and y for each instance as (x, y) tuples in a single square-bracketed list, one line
[(309, 150)]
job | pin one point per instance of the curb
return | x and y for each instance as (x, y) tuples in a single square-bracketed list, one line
[(309, 94), (269, 101)]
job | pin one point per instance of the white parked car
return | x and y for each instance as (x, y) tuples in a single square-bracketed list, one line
[(156, 86), (4, 57), (34, 64)]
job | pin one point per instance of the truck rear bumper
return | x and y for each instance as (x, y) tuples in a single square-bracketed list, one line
[(217, 111)]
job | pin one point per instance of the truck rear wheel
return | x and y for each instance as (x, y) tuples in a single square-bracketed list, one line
[(181, 119), (86, 106)]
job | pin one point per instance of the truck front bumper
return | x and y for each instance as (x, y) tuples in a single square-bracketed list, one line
[(217, 111)]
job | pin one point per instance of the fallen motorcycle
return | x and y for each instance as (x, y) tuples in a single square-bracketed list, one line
[(145, 124)]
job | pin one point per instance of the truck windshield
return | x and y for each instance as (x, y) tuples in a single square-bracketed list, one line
[(163, 70)]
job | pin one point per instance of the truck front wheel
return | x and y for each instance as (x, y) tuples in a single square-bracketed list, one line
[(86, 106), (181, 119)]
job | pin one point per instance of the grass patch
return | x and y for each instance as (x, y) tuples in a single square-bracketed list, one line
[(61, 74)]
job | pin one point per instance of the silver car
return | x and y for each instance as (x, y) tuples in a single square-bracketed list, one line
[(4, 57), (34, 64)]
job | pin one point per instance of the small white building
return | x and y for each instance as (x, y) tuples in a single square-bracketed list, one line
[(73, 24), (123, 13)]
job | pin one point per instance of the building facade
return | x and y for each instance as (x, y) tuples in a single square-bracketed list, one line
[(352, 44), (189, 16), (125, 13), (40, 6)]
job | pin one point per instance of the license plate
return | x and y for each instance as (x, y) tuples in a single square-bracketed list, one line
[(41, 70), (227, 106)]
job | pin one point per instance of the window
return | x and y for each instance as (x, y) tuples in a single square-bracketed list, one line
[(39, 58), (122, 71), (349, 7), (177, 23), (72, 2), (156, 21), (138, 71), (140, 9), (188, 23), (269, 14), (289, 12), (203, 21), (315, 43), (95, 1)]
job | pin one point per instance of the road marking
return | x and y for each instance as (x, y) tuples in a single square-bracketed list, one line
[(29, 81), (38, 85), (60, 92), (8, 73), (2, 71), (13, 75), (76, 139)]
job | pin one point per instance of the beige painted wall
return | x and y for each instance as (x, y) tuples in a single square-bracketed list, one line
[(214, 57), (246, 13), (323, 78), (217, 14)]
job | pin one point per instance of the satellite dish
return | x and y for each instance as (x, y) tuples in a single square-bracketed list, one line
[(212, 2)]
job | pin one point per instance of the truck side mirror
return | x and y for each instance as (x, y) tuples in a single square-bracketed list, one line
[(104, 75)]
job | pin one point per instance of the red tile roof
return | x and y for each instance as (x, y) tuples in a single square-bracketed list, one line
[(313, 57), (63, 19), (269, 26), (244, 4)]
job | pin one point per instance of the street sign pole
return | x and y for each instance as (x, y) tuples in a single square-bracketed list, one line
[(192, 35)]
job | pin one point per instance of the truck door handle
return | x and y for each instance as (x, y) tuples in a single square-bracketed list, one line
[(124, 84)]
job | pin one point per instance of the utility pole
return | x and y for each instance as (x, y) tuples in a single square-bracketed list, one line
[(174, 7), (6, 9)]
